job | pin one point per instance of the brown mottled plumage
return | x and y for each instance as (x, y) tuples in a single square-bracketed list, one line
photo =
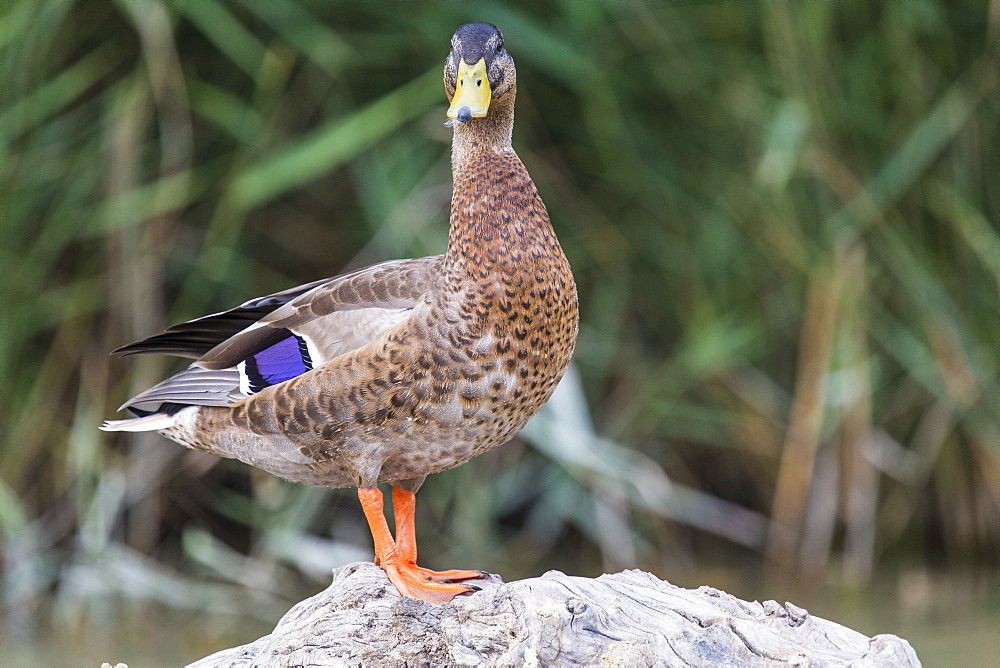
[(401, 369)]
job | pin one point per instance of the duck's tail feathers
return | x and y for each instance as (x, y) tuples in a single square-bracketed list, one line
[(154, 422)]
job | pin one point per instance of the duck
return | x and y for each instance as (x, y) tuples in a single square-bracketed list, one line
[(401, 369)]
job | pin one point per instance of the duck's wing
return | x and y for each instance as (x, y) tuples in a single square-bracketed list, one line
[(338, 316), (196, 337), (272, 339)]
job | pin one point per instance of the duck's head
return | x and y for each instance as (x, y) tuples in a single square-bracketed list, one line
[(478, 71)]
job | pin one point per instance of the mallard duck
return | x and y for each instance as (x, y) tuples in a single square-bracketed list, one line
[(401, 369)]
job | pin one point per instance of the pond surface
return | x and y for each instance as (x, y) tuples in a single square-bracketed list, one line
[(950, 619)]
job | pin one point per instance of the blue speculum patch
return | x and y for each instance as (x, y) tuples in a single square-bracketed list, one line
[(277, 363)]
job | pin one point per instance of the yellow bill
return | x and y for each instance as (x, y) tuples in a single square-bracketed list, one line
[(472, 92)]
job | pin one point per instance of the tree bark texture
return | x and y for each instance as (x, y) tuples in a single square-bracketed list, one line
[(626, 619)]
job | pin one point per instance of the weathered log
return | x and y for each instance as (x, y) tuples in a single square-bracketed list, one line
[(626, 619)]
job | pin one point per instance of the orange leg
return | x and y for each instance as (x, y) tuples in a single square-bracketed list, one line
[(404, 506), (405, 575)]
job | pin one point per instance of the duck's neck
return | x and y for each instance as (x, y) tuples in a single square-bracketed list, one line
[(490, 134), (499, 226)]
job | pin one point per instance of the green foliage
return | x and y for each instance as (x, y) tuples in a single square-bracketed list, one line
[(782, 217)]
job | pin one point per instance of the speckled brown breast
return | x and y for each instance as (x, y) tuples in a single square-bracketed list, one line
[(478, 356)]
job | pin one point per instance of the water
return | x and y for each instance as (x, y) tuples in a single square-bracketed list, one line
[(951, 619)]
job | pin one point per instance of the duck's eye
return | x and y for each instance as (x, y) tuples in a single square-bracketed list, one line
[(500, 46)]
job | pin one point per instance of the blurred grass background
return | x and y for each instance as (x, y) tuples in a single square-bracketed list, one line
[(783, 218)]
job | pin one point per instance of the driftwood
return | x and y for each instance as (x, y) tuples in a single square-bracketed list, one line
[(627, 619)]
